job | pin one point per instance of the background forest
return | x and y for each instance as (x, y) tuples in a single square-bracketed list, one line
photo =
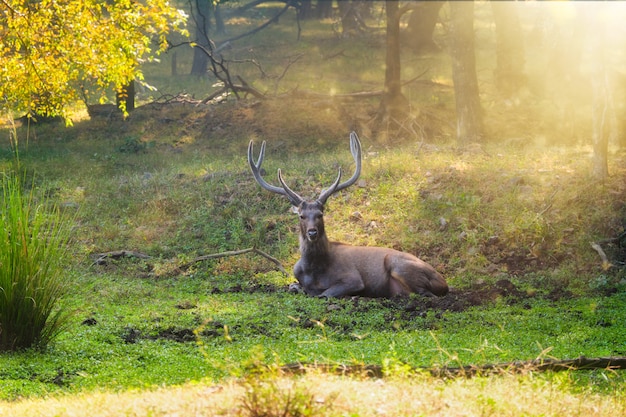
[(493, 143)]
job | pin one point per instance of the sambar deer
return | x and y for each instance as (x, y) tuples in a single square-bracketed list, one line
[(332, 269)]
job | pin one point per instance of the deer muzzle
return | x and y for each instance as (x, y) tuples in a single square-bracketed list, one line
[(312, 234)]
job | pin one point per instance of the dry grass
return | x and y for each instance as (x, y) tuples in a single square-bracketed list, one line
[(402, 396)]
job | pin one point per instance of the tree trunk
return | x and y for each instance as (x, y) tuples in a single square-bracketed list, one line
[(220, 27), (127, 95), (324, 9), (394, 104), (509, 72), (468, 110), (305, 11), (349, 21), (421, 25), (174, 65), (200, 62), (200, 11), (601, 103)]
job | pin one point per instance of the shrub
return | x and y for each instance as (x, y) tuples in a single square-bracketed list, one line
[(32, 250), (265, 397)]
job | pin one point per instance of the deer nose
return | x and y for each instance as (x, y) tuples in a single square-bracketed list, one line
[(312, 234)]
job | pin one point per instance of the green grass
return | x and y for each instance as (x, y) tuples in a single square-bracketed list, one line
[(129, 344), (174, 184)]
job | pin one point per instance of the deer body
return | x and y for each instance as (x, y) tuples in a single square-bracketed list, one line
[(368, 272), (332, 269)]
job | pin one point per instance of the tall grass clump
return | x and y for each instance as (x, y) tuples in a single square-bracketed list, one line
[(33, 243), (266, 397)]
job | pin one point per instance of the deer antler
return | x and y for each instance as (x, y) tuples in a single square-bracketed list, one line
[(293, 197), (355, 149)]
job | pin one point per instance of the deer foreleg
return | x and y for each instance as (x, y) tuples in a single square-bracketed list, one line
[(343, 289)]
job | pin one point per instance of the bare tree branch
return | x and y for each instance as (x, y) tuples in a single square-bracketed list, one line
[(264, 25), (289, 64), (606, 264)]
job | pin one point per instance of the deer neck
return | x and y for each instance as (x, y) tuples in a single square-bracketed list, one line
[(315, 252)]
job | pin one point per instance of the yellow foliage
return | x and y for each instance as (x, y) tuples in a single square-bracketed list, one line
[(51, 50)]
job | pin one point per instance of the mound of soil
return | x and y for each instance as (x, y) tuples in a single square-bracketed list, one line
[(131, 335), (460, 300)]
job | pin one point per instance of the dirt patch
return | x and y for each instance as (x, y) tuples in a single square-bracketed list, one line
[(176, 335), (131, 335), (460, 300), (276, 120), (250, 289)]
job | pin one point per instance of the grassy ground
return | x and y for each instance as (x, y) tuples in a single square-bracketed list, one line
[(325, 395), (509, 224)]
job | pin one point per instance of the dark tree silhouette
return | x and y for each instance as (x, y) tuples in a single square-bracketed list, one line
[(127, 95), (421, 24), (468, 109), (200, 14), (394, 104), (601, 98), (324, 9), (509, 73)]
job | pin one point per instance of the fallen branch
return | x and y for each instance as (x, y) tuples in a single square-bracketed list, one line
[(297, 93), (166, 99), (246, 88), (619, 240), (606, 264), (243, 88), (550, 203), (222, 92), (359, 94), (102, 257), (538, 365), (235, 253)]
